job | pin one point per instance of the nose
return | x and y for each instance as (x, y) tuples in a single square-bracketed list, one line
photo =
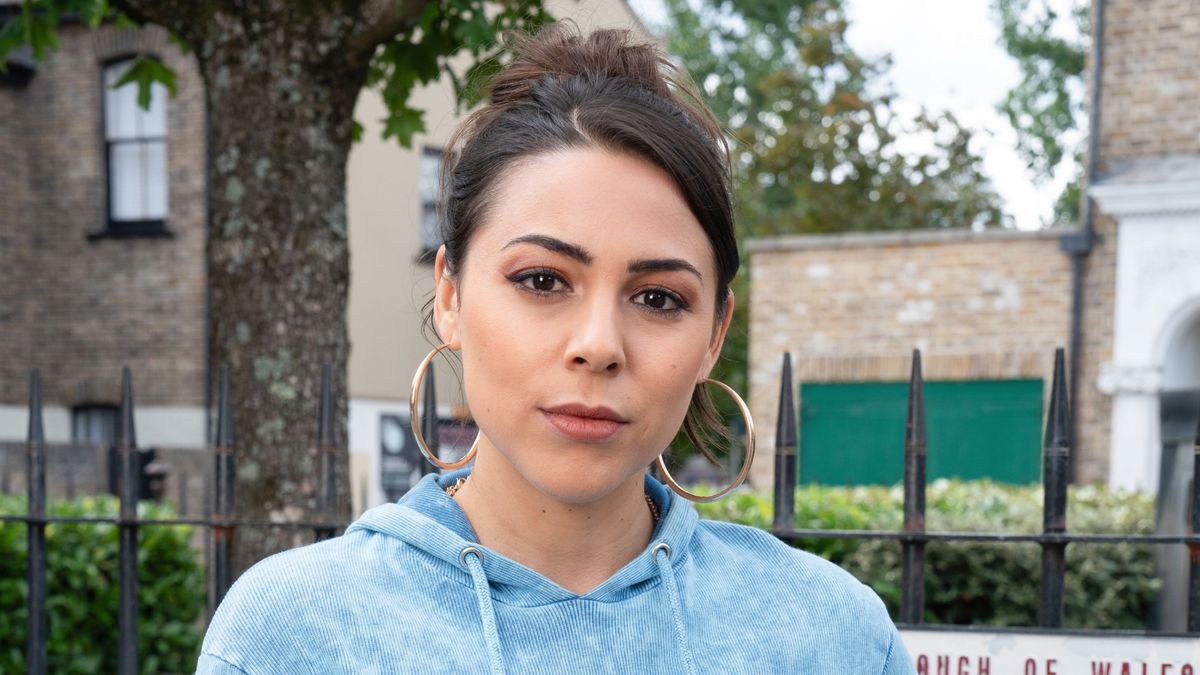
[(596, 342)]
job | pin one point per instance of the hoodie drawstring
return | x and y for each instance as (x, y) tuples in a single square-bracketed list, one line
[(667, 573), (472, 558)]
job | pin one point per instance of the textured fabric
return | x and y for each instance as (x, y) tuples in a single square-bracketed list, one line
[(408, 588)]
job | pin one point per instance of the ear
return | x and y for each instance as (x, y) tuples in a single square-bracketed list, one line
[(714, 350), (445, 301)]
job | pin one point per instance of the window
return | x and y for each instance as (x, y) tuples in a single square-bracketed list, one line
[(431, 173), (136, 149), (94, 424)]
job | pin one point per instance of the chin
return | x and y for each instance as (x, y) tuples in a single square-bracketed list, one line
[(580, 483)]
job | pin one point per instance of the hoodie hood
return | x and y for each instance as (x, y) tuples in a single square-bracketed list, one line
[(430, 520)]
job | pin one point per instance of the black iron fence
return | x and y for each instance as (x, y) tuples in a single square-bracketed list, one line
[(223, 521), (1056, 458)]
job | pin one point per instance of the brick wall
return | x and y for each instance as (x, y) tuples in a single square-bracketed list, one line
[(81, 308), (14, 247), (1150, 94), (851, 308)]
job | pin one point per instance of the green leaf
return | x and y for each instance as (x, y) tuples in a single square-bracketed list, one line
[(147, 70), (39, 28), (404, 123)]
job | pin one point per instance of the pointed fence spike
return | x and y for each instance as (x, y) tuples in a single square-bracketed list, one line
[(1058, 418), (912, 591), (325, 429), (785, 452), (224, 411), (126, 432), (36, 429), (785, 426), (915, 435), (37, 621)]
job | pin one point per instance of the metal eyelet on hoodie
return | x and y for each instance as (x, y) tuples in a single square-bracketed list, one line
[(462, 555), (660, 546)]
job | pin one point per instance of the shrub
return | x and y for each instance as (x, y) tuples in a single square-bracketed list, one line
[(83, 588), (997, 584)]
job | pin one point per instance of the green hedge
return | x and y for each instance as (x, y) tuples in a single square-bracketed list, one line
[(1107, 586), (83, 587)]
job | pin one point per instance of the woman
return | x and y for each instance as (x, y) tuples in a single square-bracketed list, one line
[(584, 281)]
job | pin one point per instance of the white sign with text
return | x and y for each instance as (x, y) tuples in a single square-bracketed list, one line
[(937, 652)]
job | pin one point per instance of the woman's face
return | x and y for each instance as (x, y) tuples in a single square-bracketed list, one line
[(585, 315)]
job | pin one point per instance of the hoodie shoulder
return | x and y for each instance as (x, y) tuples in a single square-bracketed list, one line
[(824, 601), (266, 614), (283, 614)]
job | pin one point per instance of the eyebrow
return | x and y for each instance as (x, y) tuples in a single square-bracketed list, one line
[(664, 265), (582, 255), (556, 245)]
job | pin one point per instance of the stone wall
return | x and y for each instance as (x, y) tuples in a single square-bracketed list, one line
[(80, 307), (850, 308)]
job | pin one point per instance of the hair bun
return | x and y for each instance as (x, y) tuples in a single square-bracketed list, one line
[(559, 50)]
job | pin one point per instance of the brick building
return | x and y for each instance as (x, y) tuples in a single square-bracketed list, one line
[(990, 307), (102, 243)]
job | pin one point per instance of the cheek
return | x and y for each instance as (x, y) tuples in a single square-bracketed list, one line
[(498, 354)]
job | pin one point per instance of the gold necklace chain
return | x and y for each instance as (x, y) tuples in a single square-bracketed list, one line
[(649, 502)]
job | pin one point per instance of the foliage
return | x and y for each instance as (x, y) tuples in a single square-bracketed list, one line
[(418, 55), (1046, 105), (814, 133), (816, 143), (423, 55), (82, 590), (1107, 586)]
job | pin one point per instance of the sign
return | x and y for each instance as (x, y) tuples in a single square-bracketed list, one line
[(399, 459), (942, 652)]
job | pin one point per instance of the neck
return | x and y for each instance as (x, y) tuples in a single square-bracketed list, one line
[(575, 545)]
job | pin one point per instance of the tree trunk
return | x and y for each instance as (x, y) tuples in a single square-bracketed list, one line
[(280, 102), (281, 81), (279, 267)]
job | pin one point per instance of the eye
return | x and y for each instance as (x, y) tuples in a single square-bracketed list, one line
[(660, 300), (540, 281)]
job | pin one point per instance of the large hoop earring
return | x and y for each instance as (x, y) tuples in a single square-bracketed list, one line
[(745, 410), (415, 422)]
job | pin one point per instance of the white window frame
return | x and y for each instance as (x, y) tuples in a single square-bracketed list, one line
[(135, 151)]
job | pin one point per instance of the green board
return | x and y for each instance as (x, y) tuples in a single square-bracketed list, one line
[(853, 433)]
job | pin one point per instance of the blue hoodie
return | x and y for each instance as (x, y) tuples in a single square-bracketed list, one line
[(408, 588)]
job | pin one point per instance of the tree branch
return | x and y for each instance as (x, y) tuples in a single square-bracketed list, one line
[(383, 20), (185, 18)]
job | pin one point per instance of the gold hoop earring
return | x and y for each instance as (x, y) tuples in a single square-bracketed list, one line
[(691, 496), (415, 423)]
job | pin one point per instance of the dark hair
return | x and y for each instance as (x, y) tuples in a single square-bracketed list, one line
[(565, 90)]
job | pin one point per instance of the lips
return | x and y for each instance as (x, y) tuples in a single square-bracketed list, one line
[(584, 423)]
